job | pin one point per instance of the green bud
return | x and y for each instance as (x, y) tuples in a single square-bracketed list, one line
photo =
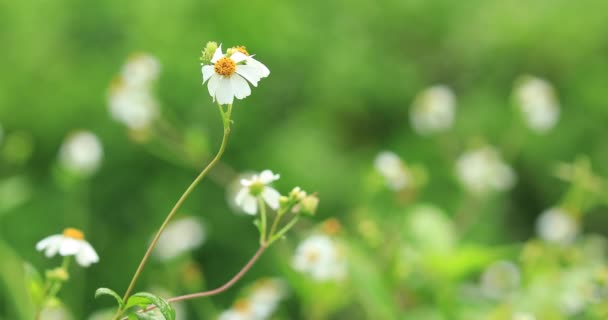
[(309, 205), (297, 194), (59, 274), (208, 52)]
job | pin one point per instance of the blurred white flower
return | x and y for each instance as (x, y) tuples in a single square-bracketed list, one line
[(55, 312), (430, 229), (555, 225), (433, 110), (228, 74), (241, 310), (500, 279), (136, 108), (81, 152), (180, 236), (246, 198), (140, 70), (483, 170), (266, 295), (392, 168), (523, 316), (70, 243), (538, 103), (320, 257)]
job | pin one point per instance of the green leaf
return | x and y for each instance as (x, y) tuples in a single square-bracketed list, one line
[(110, 292), (144, 299)]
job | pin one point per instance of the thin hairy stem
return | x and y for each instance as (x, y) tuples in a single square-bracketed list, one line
[(182, 199), (262, 206)]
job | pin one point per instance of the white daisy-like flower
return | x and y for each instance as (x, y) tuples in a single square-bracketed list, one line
[(266, 295), (500, 279), (70, 243), (320, 257), (140, 70), (228, 74), (81, 152), (246, 198), (136, 108), (483, 170), (555, 225), (538, 103), (392, 168), (180, 236), (433, 110), (241, 310)]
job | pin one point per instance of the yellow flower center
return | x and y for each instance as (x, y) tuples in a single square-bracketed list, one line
[(313, 256), (242, 305), (225, 66), (73, 233)]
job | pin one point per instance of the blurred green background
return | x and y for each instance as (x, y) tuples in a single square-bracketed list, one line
[(343, 76)]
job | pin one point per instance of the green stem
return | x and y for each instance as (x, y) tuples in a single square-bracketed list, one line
[(262, 206), (178, 204), (284, 230)]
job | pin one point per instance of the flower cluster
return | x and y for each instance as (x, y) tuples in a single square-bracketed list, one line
[(228, 73), (131, 101)]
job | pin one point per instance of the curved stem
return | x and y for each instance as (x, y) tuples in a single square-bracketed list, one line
[(182, 199)]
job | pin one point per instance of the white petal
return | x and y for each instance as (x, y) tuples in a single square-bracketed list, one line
[(240, 196), (217, 54), (240, 87), (44, 243), (263, 69), (250, 204), (86, 255), (213, 84), (247, 182), (238, 57), (267, 177), (69, 246), (224, 93), (208, 71), (271, 196), (251, 73)]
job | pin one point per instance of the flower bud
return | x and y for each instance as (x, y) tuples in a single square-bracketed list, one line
[(309, 205), (208, 52), (59, 274)]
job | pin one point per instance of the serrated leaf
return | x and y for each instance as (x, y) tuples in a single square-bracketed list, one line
[(110, 292), (144, 299)]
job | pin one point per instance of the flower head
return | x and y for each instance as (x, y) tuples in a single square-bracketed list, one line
[(392, 168), (140, 70), (320, 257), (182, 235), (555, 225), (255, 187), (483, 170), (433, 110), (81, 152), (229, 73), (500, 279), (537, 101), (70, 243)]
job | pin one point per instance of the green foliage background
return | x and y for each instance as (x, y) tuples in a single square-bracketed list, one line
[(343, 75)]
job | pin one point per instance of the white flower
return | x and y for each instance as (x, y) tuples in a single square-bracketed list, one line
[(180, 236), (70, 243), (392, 169), (500, 279), (134, 107), (228, 75), (56, 311), (246, 198), (483, 170), (320, 257), (538, 103), (140, 70), (81, 152), (241, 310), (433, 110), (265, 297), (555, 225)]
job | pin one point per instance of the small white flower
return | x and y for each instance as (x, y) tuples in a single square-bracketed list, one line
[(81, 152), (483, 170), (56, 311), (246, 198), (241, 310), (320, 257), (70, 243), (134, 107), (538, 103), (229, 73), (433, 110), (555, 225), (140, 70), (392, 169), (500, 279), (180, 236), (265, 297)]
